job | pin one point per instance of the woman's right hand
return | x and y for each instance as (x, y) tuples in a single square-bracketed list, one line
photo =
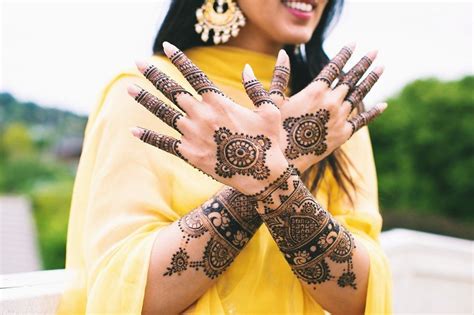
[(316, 120)]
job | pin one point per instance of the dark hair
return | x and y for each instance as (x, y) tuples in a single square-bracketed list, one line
[(305, 65)]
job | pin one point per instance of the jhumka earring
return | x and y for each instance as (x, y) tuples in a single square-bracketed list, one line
[(223, 17)]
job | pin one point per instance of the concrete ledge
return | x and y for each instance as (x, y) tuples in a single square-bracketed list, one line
[(431, 274)]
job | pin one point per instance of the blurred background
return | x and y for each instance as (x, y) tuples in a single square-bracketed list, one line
[(56, 56)]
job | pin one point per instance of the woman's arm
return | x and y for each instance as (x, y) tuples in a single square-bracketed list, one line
[(190, 254)]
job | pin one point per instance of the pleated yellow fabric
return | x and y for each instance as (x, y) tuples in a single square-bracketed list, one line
[(126, 191)]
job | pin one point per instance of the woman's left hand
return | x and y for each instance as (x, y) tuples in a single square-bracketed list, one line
[(237, 146)]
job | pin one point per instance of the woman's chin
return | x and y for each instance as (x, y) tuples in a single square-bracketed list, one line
[(295, 37)]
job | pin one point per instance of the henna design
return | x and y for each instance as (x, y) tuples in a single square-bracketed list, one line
[(332, 70), (230, 219), (257, 93), (167, 114), (353, 76), (281, 76), (356, 96), (241, 154), (306, 134), (162, 142), (198, 79), (364, 118), (309, 237), (164, 83), (279, 182)]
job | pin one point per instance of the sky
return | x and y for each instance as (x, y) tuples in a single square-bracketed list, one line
[(62, 53)]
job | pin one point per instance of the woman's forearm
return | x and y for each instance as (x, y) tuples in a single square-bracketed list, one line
[(329, 262), (190, 254)]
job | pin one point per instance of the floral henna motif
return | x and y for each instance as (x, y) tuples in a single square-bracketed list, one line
[(164, 83), (241, 154), (198, 80), (306, 134), (230, 225), (257, 93), (309, 237), (167, 114), (281, 75)]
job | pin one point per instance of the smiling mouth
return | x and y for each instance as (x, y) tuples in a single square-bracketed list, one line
[(302, 6)]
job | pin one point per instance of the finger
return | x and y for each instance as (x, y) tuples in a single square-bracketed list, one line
[(365, 118), (332, 70), (254, 88), (357, 95), (281, 76), (195, 76), (170, 88), (350, 79), (168, 115), (162, 142)]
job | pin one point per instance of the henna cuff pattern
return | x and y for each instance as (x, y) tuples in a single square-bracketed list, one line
[(308, 236), (281, 76), (230, 219)]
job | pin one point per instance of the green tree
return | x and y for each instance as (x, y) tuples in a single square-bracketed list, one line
[(424, 148)]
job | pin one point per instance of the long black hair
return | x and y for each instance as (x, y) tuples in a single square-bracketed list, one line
[(178, 28)]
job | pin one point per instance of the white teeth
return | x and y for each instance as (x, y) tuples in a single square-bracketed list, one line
[(301, 6)]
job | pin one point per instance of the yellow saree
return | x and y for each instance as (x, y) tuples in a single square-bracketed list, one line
[(125, 191)]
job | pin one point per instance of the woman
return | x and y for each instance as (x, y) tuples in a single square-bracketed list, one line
[(134, 245)]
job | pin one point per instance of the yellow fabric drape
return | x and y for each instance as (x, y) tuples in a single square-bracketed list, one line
[(125, 191)]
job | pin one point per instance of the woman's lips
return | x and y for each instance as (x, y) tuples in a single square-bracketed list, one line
[(300, 9)]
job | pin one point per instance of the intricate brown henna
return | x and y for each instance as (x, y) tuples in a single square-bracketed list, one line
[(281, 76), (364, 118), (353, 76), (198, 79), (257, 93), (356, 96), (164, 83), (332, 70), (167, 114), (241, 154), (308, 236), (306, 134), (230, 219), (162, 142)]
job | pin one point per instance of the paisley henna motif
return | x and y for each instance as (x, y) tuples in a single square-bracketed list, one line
[(241, 154), (309, 236), (230, 219)]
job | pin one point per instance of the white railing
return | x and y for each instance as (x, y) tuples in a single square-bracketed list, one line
[(432, 274)]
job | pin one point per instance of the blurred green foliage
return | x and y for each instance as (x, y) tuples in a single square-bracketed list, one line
[(423, 147), (30, 166)]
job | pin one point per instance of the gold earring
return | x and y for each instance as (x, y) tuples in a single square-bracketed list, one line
[(224, 18)]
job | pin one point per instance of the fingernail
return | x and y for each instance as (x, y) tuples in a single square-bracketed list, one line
[(351, 46), (248, 73), (379, 70), (168, 48), (372, 54), (137, 132), (141, 65), (382, 107), (133, 90), (281, 57)]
